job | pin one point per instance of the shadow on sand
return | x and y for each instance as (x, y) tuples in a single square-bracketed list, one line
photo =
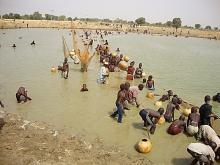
[(181, 161)]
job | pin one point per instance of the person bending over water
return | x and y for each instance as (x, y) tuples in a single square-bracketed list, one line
[(202, 153), (150, 83), (21, 95), (84, 88), (167, 96), (119, 103), (193, 122), (151, 117), (177, 126), (206, 134), (135, 90)]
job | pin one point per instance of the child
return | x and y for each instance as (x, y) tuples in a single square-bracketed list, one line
[(150, 83), (84, 88)]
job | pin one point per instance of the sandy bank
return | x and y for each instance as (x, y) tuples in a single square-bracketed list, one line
[(10, 24), (26, 142)]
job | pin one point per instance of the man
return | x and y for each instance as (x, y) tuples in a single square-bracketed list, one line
[(138, 71), (166, 96), (135, 91), (119, 103), (202, 153), (177, 126), (206, 112), (65, 71), (21, 95), (150, 117), (1, 104), (206, 134), (169, 114), (216, 97), (104, 73), (193, 122)]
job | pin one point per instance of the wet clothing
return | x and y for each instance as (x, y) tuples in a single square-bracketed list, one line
[(192, 130), (130, 73), (205, 131), (201, 152), (138, 73), (119, 111), (205, 111), (102, 75)]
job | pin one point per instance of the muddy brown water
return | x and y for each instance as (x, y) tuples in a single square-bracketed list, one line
[(191, 67)]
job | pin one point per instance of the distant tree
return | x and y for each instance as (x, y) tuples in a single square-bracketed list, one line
[(177, 23), (25, 16), (208, 27), (62, 18), (169, 23), (106, 20), (36, 16), (197, 26), (140, 21), (48, 17), (17, 16), (69, 19), (74, 19), (5, 16), (216, 28)]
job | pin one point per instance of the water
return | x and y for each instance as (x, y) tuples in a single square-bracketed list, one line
[(188, 66)]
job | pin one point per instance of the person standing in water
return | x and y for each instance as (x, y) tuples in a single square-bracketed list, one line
[(150, 83), (206, 112), (138, 71), (193, 122), (1, 104), (21, 95), (130, 71), (65, 71), (169, 114), (119, 103)]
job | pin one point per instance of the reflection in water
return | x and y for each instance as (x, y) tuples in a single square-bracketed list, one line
[(189, 66)]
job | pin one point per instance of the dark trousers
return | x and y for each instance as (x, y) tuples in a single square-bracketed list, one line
[(119, 111)]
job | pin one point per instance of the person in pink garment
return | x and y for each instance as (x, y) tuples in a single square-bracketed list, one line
[(135, 90)]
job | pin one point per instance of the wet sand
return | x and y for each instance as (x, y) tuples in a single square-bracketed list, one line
[(11, 24), (27, 142)]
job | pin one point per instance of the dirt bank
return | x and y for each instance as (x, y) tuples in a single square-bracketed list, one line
[(24, 142), (152, 30)]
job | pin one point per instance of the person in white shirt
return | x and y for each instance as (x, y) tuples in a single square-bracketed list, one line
[(202, 153), (206, 133)]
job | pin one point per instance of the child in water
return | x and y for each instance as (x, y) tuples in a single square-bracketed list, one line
[(150, 83), (84, 88)]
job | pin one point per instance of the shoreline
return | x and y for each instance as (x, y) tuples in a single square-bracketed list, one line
[(27, 142), (150, 30)]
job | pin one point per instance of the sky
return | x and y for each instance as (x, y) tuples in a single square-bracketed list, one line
[(191, 12)]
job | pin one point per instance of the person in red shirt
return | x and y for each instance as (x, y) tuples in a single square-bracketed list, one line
[(130, 71)]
